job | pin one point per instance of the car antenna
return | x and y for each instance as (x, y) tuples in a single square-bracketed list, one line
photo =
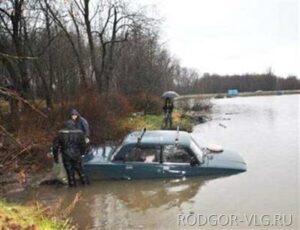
[(177, 136), (141, 136)]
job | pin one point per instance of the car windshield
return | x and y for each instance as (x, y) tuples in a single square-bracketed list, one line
[(197, 150)]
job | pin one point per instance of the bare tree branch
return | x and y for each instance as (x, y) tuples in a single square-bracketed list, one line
[(5, 12), (15, 95), (6, 25), (79, 6), (3, 55)]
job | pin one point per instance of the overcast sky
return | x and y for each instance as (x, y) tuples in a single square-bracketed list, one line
[(232, 36)]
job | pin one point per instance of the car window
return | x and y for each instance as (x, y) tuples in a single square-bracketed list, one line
[(143, 154), (175, 154)]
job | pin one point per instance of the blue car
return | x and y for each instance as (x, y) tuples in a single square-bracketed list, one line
[(160, 154)]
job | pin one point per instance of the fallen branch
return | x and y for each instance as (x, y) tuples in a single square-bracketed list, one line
[(67, 211), (14, 94), (4, 131), (8, 56), (26, 149), (18, 143)]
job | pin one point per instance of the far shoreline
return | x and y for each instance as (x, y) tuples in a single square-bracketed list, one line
[(241, 94)]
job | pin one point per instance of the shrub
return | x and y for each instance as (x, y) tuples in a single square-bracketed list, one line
[(149, 104), (31, 141), (103, 113)]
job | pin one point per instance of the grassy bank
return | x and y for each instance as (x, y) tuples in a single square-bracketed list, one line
[(13, 216), (153, 122)]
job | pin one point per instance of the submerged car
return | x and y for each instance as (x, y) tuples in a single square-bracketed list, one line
[(160, 154)]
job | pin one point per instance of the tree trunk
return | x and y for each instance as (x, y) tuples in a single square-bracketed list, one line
[(76, 52), (16, 20), (97, 72), (49, 91), (79, 43)]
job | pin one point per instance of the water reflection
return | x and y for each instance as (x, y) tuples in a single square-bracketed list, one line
[(140, 196), (115, 203), (110, 203)]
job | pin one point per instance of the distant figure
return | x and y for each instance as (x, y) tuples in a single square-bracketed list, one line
[(168, 109), (70, 142), (81, 123)]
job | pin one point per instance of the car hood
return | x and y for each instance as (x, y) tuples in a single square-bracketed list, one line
[(225, 159)]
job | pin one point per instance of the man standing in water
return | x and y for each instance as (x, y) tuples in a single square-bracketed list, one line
[(71, 143)]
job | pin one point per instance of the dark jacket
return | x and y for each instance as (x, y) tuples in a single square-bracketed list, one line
[(168, 107), (81, 123), (71, 143)]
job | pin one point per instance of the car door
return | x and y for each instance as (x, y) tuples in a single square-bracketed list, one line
[(177, 161), (143, 162)]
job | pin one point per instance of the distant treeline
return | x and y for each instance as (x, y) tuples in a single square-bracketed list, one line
[(244, 83)]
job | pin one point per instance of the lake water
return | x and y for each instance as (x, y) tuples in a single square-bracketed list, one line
[(264, 130)]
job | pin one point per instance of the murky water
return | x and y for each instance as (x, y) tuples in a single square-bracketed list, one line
[(264, 130)]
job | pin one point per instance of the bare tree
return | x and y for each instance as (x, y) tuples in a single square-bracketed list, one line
[(77, 51), (13, 23)]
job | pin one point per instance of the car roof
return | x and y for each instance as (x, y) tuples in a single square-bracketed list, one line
[(163, 137)]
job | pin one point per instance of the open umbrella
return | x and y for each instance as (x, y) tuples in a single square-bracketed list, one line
[(170, 94)]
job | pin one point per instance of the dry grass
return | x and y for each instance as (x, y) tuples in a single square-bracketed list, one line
[(13, 216), (154, 122)]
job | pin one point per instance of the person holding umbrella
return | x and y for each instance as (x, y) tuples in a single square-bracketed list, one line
[(168, 107), (168, 110)]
